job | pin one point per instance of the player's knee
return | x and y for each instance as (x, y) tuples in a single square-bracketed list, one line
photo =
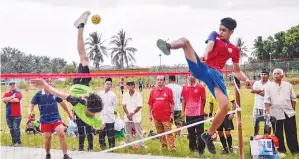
[(220, 133), (186, 41), (228, 134), (224, 108)]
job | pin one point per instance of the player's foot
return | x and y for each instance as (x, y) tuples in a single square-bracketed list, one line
[(65, 156), (207, 138), (224, 151), (163, 46), (231, 151), (48, 156), (81, 21)]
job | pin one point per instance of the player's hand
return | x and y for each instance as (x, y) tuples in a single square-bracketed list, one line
[(203, 58), (71, 117), (231, 117), (298, 96), (183, 116), (103, 127), (261, 93), (39, 82), (129, 116), (248, 84)]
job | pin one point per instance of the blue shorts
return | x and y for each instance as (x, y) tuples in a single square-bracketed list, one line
[(209, 76)]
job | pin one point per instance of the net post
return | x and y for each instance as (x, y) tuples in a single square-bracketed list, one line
[(239, 119)]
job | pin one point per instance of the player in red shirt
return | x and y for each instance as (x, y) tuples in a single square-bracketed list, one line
[(207, 68), (12, 99), (161, 109)]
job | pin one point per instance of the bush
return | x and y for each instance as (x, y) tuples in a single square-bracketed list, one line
[(23, 85)]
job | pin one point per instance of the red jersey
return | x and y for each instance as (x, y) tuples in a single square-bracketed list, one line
[(160, 102), (13, 109), (222, 51), (193, 96)]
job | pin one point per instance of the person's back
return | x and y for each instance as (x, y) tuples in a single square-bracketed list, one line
[(176, 91)]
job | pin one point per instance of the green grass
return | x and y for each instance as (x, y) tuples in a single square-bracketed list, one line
[(247, 100)]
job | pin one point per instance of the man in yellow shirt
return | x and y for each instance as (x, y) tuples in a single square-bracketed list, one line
[(227, 124)]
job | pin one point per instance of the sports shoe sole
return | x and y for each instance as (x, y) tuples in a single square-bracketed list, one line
[(161, 44)]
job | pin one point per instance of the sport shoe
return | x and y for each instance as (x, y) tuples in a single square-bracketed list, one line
[(231, 151), (17, 145), (209, 142), (224, 152), (162, 45), (82, 19), (65, 156), (48, 156)]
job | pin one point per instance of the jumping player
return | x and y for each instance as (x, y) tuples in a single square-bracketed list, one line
[(207, 68), (85, 103)]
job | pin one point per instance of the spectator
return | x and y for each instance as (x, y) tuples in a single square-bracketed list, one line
[(280, 101), (258, 89), (109, 102), (132, 104), (140, 83), (122, 86), (177, 92), (12, 99), (161, 110), (194, 99), (50, 119)]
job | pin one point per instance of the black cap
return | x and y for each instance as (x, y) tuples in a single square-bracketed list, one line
[(108, 79), (265, 71), (130, 83)]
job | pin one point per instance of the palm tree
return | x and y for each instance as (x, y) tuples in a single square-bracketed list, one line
[(96, 48), (243, 49), (122, 54)]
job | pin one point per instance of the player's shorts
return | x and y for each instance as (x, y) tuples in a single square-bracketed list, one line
[(83, 81), (49, 127), (209, 76), (177, 118), (227, 125)]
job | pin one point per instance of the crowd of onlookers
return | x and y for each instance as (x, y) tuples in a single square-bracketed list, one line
[(169, 104)]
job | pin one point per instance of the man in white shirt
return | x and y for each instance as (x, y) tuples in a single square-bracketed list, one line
[(177, 92), (132, 104), (109, 102), (258, 89), (280, 102)]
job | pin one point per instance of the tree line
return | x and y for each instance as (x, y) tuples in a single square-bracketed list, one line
[(284, 44), (122, 55)]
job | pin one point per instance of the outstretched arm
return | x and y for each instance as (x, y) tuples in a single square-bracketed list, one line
[(240, 75), (42, 83)]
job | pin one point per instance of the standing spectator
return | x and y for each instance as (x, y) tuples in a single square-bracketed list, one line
[(109, 102), (227, 124), (140, 83), (12, 99), (122, 86), (177, 92), (194, 99), (258, 89), (280, 101), (50, 119), (161, 109), (132, 104)]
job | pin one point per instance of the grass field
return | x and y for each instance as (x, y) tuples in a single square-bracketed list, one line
[(247, 100)]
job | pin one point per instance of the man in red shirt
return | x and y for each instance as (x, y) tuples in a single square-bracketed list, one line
[(12, 99), (207, 68), (194, 99), (161, 109)]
